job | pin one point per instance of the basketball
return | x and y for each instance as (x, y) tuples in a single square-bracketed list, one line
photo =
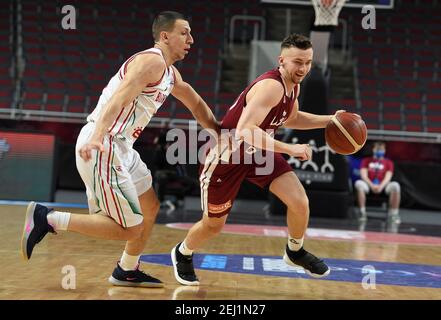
[(346, 133)]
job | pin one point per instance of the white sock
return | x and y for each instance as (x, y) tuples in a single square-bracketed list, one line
[(295, 244), (184, 249), (393, 212), (59, 220), (363, 211), (129, 262)]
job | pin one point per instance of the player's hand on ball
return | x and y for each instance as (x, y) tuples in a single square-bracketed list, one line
[(338, 111), (301, 151), (86, 150)]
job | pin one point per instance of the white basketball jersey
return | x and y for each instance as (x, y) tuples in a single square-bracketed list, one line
[(134, 117)]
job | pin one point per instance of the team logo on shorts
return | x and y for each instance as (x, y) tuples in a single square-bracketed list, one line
[(218, 208)]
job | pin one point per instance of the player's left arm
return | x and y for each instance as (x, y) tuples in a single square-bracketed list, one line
[(194, 102), (304, 120)]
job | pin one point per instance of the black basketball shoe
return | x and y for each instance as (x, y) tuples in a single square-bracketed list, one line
[(183, 268), (35, 228), (313, 266), (133, 278)]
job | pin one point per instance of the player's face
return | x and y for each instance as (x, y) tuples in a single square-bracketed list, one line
[(180, 39), (297, 62)]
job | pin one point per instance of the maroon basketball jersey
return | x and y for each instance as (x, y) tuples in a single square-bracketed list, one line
[(277, 115)]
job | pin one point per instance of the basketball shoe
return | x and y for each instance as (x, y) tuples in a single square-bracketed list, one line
[(35, 228), (133, 278), (313, 266), (183, 268)]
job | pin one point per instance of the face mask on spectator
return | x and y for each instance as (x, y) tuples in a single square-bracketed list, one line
[(379, 153)]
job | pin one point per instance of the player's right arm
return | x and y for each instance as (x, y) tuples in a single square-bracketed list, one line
[(260, 100), (143, 70)]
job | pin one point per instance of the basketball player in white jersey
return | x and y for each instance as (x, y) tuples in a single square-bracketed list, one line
[(122, 202)]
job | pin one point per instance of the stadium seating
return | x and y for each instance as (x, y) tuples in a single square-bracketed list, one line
[(397, 66), (66, 70)]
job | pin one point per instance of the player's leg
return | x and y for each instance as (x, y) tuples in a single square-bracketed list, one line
[(150, 208), (41, 220), (112, 198), (135, 185), (102, 200), (290, 191), (182, 254), (219, 186), (201, 232), (217, 198), (287, 187), (362, 189)]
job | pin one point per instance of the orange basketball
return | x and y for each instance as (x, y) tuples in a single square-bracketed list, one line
[(346, 133)]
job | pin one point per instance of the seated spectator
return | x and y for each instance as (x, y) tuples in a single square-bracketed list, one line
[(376, 175)]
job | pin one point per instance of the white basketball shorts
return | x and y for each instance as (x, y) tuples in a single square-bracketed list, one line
[(114, 178)]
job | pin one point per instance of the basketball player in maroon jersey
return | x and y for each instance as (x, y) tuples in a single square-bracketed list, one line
[(268, 103)]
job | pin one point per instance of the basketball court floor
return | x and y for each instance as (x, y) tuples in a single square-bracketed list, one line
[(244, 262)]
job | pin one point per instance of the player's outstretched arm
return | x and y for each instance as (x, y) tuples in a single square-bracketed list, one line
[(194, 102), (302, 120), (305, 121), (141, 71)]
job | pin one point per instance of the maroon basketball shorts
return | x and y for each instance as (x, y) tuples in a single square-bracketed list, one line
[(220, 181)]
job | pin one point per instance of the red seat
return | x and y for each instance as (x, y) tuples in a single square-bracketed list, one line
[(182, 112), (368, 93), (54, 107), (34, 84), (434, 97), (414, 127), (392, 126), (414, 117), (434, 107), (392, 116), (5, 104), (434, 129), (434, 119), (435, 85), (412, 106), (371, 104), (388, 105), (413, 96), (410, 84), (391, 94)]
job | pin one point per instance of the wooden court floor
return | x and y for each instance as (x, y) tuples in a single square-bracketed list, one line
[(94, 260)]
